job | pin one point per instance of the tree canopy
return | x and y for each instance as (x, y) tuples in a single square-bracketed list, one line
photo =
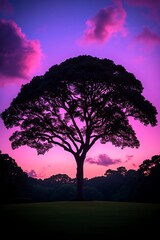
[(76, 103), (13, 181)]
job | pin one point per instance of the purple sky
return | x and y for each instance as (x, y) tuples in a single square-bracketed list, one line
[(36, 34)]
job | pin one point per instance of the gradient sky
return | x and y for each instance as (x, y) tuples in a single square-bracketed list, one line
[(36, 34)]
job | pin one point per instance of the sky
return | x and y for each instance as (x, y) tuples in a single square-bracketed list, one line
[(37, 34)]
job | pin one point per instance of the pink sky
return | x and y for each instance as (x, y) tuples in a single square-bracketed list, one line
[(35, 36)]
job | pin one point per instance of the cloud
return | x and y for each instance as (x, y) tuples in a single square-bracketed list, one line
[(128, 157), (43, 173), (40, 174), (32, 173), (5, 7), (152, 5), (103, 160), (145, 3), (107, 22), (18, 55), (134, 165), (148, 37)]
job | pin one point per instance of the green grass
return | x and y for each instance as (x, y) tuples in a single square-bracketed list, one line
[(77, 220)]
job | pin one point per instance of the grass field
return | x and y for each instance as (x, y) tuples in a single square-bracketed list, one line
[(77, 220)]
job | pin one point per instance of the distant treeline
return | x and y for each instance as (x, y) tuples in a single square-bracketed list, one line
[(142, 185)]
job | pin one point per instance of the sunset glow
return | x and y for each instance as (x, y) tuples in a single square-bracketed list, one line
[(36, 35)]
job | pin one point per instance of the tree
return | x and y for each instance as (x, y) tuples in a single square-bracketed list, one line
[(149, 180), (14, 183), (76, 103), (147, 165)]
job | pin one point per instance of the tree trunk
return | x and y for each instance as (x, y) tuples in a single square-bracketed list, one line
[(79, 177)]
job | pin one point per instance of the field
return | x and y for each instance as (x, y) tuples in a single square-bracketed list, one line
[(77, 220)]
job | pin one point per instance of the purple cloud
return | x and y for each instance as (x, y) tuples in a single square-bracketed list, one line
[(5, 7), (32, 173), (41, 173), (128, 157), (144, 3), (18, 55), (106, 23), (103, 160), (148, 37), (152, 5)]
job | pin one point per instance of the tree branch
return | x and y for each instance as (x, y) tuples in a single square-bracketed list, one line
[(74, 123), (50, 140)]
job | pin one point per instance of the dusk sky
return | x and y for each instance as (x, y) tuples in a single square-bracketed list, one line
[(36, 34)]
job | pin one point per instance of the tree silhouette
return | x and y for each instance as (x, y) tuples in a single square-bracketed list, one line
[(76, 103), (13, 181), (147, 165)]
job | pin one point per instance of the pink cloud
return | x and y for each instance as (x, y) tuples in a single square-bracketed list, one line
[(134, 165), (5, 7), (44, 172), (128, 158), (106, 23), (18, 55), (148, 37), (103, 160)]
